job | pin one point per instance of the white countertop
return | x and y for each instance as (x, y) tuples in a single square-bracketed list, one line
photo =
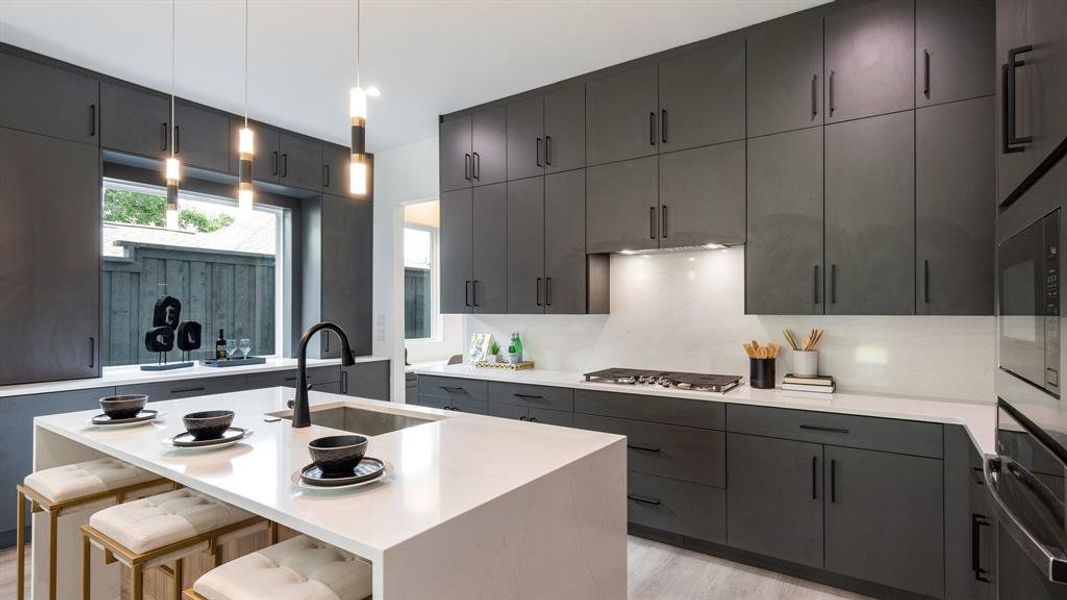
[(132, 375), (435, 471), (979, 419)]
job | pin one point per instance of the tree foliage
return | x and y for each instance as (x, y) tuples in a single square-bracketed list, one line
[(139, 208)]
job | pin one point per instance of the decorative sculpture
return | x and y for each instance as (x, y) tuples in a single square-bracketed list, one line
[(167, 327)]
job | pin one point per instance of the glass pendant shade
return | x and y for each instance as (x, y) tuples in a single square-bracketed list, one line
[(173, 174), (358, 175), (357, 103), (245, 146)]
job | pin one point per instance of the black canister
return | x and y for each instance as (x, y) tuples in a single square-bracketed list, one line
[(761, 373)]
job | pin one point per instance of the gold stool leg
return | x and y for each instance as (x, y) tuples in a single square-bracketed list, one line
[(53, 527), (138, 582), (20, 545), (179, 572), (86, 584)]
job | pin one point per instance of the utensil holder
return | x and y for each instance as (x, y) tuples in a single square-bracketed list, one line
[(761, 373), (806, 363)]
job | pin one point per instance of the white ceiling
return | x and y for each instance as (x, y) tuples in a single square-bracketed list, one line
[(428, 57)]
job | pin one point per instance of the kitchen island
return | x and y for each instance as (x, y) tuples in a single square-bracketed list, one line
[(470, 506)]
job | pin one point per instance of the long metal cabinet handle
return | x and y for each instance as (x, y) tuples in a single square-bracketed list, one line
[(833, 481), (187, 390), (1008, 71), (642, 448), (977, 523), (833, 284), (537, 153), (651, 222), (831, 94), (663, 221), (814, 97), (92, 120), (926, 281), (467, 293), (467, 167), (163, 135), (548, 150), (814, 477), (815, 284), (474, 292), (539, 291), (643, 499), (285, 164), (92, 353), (926, 73), (548, 291), (476, 170), (652, 128), (344, 382), (325, 175), (824, 429), (663, 126), (177, 139)]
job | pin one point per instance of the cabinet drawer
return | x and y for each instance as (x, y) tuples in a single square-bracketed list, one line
[(551, 417), (170, 390), (315, 375), (473, 389), (872, 433), (689, 509), (676, 411), (671, 451), (508, 411), (533, 396)]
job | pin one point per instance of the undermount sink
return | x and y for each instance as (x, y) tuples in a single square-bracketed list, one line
[(359, 420)]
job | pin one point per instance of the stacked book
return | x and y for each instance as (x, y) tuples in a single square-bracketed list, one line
[(822, 384)]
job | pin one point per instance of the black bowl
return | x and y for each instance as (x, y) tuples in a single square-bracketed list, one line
[(337, 454), (208, 424), (123, 407)]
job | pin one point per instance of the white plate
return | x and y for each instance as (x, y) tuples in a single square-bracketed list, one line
[(299, 482), (169, 442), (124, 423)]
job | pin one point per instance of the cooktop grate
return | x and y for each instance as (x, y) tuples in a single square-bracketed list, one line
[(705, 382)]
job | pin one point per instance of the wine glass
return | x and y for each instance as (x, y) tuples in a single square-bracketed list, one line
[(231, 348), (245, 347)]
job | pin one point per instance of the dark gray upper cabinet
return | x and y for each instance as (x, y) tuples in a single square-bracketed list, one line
[(489, 272), (785, 75), (622, 206), (202, 137), (134, 121), (526, 138), (457, 222), (50, 303), (49, 100), (565, 129), (347, 248), (266, 159), (621, 119), (702, 96), (954, 190), (784, 252), (489, 146), (870, 216), (301, 162), (566, 285), (702, 196), (870, 63), (890, 506), (454, 144), (953, 50), (774, 503), (526, 245), (335, 161)]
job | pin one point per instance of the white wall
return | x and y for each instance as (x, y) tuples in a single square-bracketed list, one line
[(686, 312)]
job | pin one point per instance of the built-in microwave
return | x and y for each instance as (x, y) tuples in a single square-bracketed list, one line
[(1028, 283)]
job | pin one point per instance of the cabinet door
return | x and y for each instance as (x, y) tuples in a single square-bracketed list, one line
[(526, 138), (774, 505), (301, 162), (367, 380), (50, 241), (347, 247), (489, 276), (622, 206), (202, 137), (44, 99), (870, 216), (620, 115), (134, 121), (953, 50), (970, 529), (526, 246), (455, 248), (266, 160), (702, 96), (784, 251), (335, 160), (870, 59), (508, 411), (785, 75), (565, 129), (702, 196), (891, 506), (565, 260), (489, 146), (954, 214), (455, 154)]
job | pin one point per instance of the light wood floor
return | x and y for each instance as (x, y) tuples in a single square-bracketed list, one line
[(656, 571)]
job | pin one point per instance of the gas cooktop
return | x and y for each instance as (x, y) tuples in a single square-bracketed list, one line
[(701, 382)]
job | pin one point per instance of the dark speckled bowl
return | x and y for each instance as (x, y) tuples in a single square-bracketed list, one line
[(209, 424), (337, 454), (123, 407)]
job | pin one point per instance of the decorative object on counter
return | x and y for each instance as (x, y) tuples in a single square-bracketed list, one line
[(166, 320), (229, 437), (805, 356), (761, 364), (519, 366), (801, 383), (220, 347), (145, 416), (235, 362), (188, 337), (123, 407), (494, 353), (208, 424), (479, 347), (515, 349)]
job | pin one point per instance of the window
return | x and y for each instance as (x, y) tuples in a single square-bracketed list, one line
[(421, 311), (222, 264)]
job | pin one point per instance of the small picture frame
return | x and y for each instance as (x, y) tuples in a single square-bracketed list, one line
[(479, 347)]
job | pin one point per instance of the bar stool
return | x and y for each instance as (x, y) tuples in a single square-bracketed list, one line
[(163, 530), (299, 568), (60, 490)]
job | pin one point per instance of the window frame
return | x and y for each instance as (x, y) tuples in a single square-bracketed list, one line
[(436, 319)]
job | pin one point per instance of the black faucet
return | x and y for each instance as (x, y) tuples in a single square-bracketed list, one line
[(301, 409)]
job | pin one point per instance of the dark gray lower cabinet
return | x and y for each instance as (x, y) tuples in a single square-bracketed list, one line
[(622, 206), (774, 498), (784, 254), (870, 215), (680, 507), (702, 196), (367, 380), (173, 390), (970, 528), (885, 518)]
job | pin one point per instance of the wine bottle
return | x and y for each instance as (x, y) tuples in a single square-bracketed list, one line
[(220, 347)]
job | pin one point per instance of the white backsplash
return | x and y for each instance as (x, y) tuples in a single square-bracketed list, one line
[(686, 312)]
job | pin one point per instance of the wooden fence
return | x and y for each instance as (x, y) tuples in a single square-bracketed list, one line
[(232, 291)]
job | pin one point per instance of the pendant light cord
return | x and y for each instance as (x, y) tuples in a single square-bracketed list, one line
[(359, 38), (246, 64), (173, 30)]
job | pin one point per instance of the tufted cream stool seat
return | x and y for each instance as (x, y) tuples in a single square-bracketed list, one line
[(299, 568), (60, 490), (162, 530)]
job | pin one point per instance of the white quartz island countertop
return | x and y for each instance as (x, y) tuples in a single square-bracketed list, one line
[(463, 494), (978, 418)]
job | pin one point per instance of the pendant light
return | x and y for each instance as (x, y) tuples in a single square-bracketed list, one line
[(173, 169), (245, 144), (358, 168)]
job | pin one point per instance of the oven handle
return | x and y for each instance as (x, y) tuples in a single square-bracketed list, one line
[(1054, 567)]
